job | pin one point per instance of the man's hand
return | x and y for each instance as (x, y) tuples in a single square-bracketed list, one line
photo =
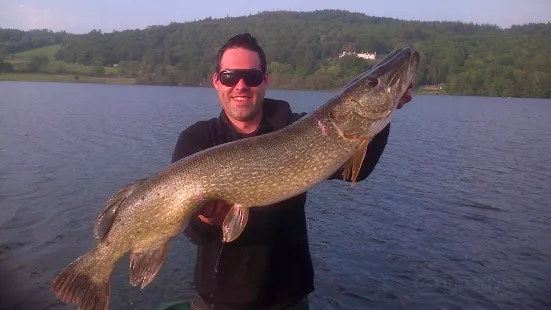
[(405, 98), (214, 212)]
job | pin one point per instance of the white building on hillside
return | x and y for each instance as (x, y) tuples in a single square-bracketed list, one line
[(365, 55)]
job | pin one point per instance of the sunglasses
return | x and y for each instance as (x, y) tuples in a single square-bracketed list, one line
[(251, 77)]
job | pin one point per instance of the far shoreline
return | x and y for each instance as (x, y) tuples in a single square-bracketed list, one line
[(70, 78)]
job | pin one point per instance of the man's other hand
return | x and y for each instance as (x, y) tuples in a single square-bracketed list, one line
[(405, 98), (214, 212)]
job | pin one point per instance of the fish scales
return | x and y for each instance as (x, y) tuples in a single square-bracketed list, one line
[(258, 172)]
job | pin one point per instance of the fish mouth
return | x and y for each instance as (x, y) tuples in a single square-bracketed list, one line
[(397, 71)]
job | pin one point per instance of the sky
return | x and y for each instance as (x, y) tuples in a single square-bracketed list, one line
[(81, 16)]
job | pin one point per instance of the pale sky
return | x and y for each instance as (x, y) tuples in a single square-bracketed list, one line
[(80, 16)]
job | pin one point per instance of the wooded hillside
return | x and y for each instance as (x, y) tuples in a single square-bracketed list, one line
[(303, 48)]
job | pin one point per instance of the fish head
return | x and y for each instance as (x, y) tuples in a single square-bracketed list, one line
[(367, 103)]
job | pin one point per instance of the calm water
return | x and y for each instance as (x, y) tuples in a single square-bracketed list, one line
[(455, 216)]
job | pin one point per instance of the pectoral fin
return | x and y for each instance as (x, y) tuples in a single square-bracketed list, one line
[(144, 265), (234, 223), (353, 165)]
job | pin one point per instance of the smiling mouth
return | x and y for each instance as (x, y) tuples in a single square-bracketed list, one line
[(241, 99)]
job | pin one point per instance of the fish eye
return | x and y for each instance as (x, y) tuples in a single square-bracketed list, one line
[(372, 82)]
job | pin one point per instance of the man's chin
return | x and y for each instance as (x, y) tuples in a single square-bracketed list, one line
[(242, 109), (242, 116)]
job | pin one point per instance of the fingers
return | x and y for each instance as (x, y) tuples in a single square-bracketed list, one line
[(222, 208), (405, 99), (214, 212), (208, 209)]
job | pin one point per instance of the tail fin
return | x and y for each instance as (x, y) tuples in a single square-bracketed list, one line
[(85, 282)]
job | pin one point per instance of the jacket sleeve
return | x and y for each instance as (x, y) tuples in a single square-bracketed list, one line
[(374, 151), (197, 231)]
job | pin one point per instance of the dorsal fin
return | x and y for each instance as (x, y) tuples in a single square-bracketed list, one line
[(107, 215)]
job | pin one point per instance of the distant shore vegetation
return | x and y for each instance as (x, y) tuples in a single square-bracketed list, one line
[(319, 50)]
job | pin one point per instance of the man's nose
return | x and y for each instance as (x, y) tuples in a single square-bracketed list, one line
[(241, 84)]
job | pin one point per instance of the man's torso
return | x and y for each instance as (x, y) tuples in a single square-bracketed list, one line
[(270, 262)]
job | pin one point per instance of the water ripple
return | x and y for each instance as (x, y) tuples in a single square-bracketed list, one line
[(455, 216)]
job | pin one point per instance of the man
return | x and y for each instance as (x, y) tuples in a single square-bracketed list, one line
[(269, 265)]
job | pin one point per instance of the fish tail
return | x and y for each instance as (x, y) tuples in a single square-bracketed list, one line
[(85, 282)]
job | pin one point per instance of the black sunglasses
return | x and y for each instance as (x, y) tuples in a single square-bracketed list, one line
[(251, 77)]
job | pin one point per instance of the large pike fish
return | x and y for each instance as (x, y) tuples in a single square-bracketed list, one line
[(146, 214)]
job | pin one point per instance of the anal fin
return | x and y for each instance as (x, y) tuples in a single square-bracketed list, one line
[(353, 165), (144, 265), (235, 222)]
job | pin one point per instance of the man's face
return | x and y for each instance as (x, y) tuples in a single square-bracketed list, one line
[(241, 102)]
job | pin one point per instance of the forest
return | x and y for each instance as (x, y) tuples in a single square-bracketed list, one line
[(303, 51)]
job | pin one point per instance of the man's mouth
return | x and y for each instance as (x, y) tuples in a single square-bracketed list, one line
[(242, 99)]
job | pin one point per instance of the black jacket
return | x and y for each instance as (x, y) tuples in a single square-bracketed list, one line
[(270, 263)]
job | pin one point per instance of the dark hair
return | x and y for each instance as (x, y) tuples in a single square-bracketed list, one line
[(246, 41)]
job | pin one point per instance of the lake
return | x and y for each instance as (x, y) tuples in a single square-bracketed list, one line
[(457, 214)]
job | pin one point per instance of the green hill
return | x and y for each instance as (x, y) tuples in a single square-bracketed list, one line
[(43, 60), (48, 50), (15, 40), (40, 64), (302, 50)]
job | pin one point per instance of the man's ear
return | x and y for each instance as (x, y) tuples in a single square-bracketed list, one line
[(215, 80)]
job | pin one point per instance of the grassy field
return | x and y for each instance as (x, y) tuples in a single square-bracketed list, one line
[(52, 77), (19, 60), (23, 56)]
